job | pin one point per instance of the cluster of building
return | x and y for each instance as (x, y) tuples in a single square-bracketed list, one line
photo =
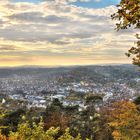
[(40, 92)]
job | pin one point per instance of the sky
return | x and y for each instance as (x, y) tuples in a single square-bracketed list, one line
[(61, 33)]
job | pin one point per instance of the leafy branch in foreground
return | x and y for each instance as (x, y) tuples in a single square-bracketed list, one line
[(35, 131), (128, 15)]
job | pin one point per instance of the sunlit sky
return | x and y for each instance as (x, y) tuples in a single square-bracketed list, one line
[(61, 32)]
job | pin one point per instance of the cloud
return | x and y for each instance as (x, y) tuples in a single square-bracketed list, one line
[(53, 29), (4, 47), (37, 17), (72, 1)]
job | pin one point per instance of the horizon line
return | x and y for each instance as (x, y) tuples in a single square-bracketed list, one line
[(57, 66)]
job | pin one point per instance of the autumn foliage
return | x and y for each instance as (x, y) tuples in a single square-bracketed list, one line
[(128, 15), (124, 119), (36, 132), (117, 121)]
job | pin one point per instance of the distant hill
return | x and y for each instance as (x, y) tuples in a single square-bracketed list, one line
[(77, 73)]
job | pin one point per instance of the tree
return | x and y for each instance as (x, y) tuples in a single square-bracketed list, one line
[(2, 137), (128, 15), (89, 122), (56, 116), (124, 118), (35, 131), (10, 122), (137, 100), (67, 136)]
